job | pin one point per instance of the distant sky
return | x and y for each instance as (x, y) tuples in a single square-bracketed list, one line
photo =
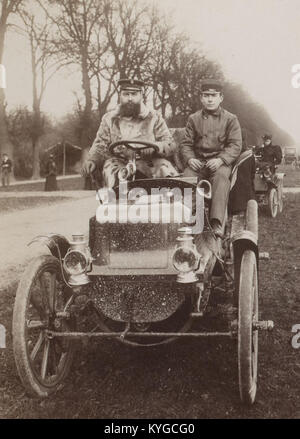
[(256, 41)]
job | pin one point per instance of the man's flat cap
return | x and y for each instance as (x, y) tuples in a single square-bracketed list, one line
[(213, 85), (267, 137), (130, 84)]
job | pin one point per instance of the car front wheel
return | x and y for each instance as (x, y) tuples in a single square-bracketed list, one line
[(42, 361)]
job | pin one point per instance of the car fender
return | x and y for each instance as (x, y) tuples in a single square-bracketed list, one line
[(242, 241), (57, 244)]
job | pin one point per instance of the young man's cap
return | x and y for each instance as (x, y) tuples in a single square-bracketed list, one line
[(211, 85), (267, 137), (131, 84)]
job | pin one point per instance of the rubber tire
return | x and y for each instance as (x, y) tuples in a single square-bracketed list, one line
[(273, 203), (32, 385), (247, 338), (280, 198)]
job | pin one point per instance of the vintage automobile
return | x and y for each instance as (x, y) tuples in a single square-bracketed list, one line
[(151, 272), (291, 157), (268, 186)]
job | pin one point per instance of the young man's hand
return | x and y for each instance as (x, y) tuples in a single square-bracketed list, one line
[(88, 168), (214, 164), (195, 164)]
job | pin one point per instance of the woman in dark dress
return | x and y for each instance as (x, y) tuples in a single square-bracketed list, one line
[(51, 172)]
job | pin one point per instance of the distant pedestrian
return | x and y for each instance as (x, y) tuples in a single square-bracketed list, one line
[(51, 172), (6, 167)]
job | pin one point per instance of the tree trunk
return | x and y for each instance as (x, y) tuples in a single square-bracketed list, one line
[(2, 34), (87, 114), (36, 159), (36, 134), (5, 143)]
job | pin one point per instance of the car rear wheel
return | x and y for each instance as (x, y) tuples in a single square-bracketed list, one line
[(273, 203), (247, 337), (280, 197), (42, 361)]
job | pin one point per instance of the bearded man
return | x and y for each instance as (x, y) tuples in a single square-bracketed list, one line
[(131, 120)]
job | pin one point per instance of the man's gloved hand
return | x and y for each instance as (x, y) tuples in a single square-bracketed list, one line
[(88, 168), (146, 153), (195, 164)]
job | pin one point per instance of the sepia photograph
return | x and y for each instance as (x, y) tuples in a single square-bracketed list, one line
[(149, 212)]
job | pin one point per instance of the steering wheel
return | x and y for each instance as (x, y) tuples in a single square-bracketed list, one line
[(144, 145)]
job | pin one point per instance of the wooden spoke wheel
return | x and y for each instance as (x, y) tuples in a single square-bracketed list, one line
[(42, 362), (247, 337), (273, 203), (280, 198)]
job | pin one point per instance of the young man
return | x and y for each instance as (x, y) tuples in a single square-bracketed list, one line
[(6, 167), (131, 120), (212, 143)]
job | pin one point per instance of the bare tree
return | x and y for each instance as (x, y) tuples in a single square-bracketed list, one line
[(175, 70), (43, 67), (129, 31), (76, 22), (188, 68), (100, 72), (8, 7), (164, 51)]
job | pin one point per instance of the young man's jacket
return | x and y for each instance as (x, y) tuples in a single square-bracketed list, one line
[(149, 126), (212, 135)]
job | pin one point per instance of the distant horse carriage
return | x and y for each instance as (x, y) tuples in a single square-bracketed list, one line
[(291, 157)]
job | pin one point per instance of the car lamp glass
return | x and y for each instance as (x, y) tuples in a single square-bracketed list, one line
[(75, 262), (186, 257)]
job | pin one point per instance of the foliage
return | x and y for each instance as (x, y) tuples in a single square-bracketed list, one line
[(252, 116), (21, 127)]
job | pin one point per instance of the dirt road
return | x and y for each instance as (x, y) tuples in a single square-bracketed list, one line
[(17, 229)]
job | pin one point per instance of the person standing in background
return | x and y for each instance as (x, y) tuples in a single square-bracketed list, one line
[(6, 167), (51, 172)]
